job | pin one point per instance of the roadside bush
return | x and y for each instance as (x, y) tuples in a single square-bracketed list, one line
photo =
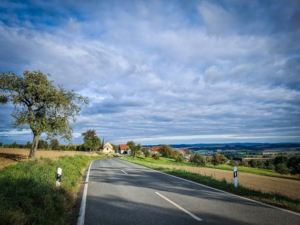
[(179, 159), (271, 167), (252, 163), (282, 168), (198, 160), (233, 163), (147, 154), (155, 156), (294, 164), (261, 165), (244, 163)]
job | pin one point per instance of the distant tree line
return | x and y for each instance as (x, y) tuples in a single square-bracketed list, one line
[(280, 164)]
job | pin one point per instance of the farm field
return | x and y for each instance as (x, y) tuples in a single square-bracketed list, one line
[(285, 187), (11, 156)]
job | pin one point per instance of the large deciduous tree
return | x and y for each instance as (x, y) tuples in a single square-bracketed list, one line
[(134, 148), (40, 104), (91, 140)]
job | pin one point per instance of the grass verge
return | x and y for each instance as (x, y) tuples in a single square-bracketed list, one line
[(28, 194), (272, 199)]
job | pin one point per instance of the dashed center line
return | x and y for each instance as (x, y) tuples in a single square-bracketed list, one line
[(179, 207), (124, 171)]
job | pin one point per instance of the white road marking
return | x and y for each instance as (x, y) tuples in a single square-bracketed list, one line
[(179, 207), (83, 201), (124, 171)]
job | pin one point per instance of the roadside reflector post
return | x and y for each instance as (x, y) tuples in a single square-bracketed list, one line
[(235, 178), (58, 176)]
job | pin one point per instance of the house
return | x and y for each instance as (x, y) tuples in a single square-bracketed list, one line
[(108, 148), (124, 149), (185, 155), (155, 150)]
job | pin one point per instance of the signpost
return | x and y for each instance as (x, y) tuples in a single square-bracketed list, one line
[(235, 179), (58, 176)]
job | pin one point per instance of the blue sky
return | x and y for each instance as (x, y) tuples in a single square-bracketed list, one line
[(163, 71)]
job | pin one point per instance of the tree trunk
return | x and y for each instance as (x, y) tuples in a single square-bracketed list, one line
[(34, 146)]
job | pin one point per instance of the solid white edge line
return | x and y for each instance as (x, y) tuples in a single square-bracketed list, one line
[(179, 207), (83, 201), (124, 171), (248, 199)]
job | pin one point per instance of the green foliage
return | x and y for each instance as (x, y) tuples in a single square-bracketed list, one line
[(261, 165), (168, 152), (43, 144), (218, 159), (244, 163), (29, 195), (134, 148), (294, 164), (115, 147), (147, 154), (280, 159), (253, 163), (234, 163), (54, 144), (155, 156), (282, 168), (14, 145), (28, 145), (91, 140), (271, 167), (198, 160), (179, 159), (40, 105)]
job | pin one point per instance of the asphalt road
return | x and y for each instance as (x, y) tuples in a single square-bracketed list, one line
[(119, 192)]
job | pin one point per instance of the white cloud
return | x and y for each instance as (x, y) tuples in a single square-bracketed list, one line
[(162, 70)]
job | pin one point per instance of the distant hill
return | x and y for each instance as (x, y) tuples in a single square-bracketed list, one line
[(225, 146)]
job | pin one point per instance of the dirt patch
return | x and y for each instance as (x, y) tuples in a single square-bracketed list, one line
[(11, 156), (286, 187)]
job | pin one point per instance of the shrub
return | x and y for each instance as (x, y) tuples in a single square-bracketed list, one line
[(155, 156), (244, 163), (234, 163), (294, 164), (147, 154), (253, 163), (282, 168), (198, 160), (179, 159), (271, 167)]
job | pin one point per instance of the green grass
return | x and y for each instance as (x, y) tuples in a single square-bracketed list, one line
[(28, 194), (167, 161), (273, 199), (262, 172)]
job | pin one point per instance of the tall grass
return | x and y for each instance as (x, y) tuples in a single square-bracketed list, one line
[(28, 194)]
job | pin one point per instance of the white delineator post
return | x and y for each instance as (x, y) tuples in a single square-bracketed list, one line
[(235, 179), (58, 176)]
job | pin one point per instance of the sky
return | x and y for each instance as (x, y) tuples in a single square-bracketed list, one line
[(158, 71)]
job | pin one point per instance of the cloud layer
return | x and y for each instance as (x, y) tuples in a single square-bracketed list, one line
[(165, 72)]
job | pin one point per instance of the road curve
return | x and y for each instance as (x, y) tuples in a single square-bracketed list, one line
[(120, 192)]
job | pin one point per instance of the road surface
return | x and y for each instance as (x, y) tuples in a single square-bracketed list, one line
[(119, 192)]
